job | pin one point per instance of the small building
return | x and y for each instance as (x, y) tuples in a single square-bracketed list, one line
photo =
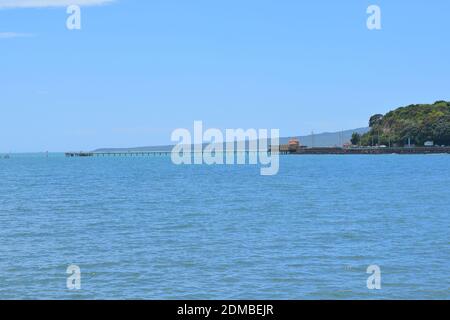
[(293, 144), (348, 145)]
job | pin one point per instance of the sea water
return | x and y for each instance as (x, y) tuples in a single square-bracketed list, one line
[(144, 228)]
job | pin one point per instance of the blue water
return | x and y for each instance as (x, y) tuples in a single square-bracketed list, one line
[(147, 229)]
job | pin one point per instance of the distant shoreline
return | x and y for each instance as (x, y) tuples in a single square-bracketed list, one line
[(366, 151), (284, 150)]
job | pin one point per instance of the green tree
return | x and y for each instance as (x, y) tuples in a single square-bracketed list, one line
[(374, 120), (356, 138)]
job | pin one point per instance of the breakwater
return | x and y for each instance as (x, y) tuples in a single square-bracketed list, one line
[(349, 151)]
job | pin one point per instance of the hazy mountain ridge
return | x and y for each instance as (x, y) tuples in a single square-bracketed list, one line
[(326, 139)]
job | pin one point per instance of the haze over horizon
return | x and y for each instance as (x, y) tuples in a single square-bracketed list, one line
[(138, 70)]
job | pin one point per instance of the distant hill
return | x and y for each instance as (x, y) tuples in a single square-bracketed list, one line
[(327, 139), (418, 122)]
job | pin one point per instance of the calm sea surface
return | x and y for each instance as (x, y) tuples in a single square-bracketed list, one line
[(145, 228)]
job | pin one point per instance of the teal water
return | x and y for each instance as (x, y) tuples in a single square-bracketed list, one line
[(147, 229)]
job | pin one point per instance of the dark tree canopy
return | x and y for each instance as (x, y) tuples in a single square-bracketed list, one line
[(420, 123), (374, 120), (356, 138)]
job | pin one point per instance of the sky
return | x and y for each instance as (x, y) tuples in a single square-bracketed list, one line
[(137, 70)]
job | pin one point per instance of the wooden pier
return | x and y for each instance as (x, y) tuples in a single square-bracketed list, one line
[(143, 153), (117, 154), (282, 150), (79, 154)]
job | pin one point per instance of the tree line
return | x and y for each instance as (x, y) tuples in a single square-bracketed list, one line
[(415, 124)]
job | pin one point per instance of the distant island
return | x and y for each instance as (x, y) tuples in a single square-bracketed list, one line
[(413, 125)]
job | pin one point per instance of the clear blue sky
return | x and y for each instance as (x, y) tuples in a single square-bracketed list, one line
[(139, 69)]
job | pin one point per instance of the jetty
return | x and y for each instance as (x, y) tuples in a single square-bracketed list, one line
[(117, 154), (79, 154), (360, 150), (288, 149)]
